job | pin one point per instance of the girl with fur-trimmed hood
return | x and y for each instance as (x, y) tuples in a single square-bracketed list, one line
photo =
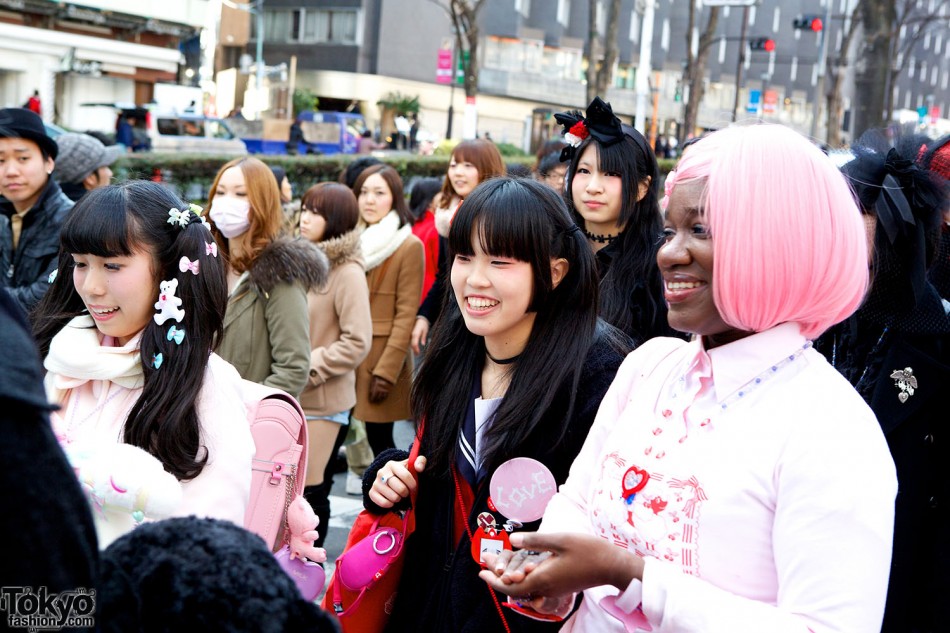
[(266, 328), (341, 332)]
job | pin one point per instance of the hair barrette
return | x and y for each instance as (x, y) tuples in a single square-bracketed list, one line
[(157, 360), (211, 249), (185, 264), (600, 122), (52, 276), (175, 334), (184, 217), (168, 305), (181, 218)]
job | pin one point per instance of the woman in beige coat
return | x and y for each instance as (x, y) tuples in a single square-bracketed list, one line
[(394, 266), (341, 332)]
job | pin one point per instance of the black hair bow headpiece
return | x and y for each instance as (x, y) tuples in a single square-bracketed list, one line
[(601, 123), (905, 203)]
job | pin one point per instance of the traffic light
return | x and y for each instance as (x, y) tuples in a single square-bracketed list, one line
[(762, 44), (808, 23)]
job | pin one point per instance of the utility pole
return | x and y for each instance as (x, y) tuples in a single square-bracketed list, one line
[(822, 62), (645, 67), (745, 25)]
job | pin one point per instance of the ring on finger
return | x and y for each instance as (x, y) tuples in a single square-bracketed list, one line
[(382, 478)]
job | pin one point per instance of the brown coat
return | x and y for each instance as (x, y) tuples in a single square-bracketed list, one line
[(341, 330), (395, 287)]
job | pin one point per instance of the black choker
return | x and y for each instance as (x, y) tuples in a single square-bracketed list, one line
[(502, 361), (601, 239)]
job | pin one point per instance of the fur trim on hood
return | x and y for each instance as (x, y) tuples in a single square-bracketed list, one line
[(291, 259), (343, 248)]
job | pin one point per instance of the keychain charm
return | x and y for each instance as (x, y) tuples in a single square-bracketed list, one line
[(489, 538)]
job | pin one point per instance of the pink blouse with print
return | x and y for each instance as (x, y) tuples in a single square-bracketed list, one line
[(769, 494)]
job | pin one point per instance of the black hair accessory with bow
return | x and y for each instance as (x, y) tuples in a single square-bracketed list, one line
[(906, 203), (600, 123)]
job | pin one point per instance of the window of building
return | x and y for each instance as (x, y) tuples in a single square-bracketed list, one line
[(523, 7), (563, 11), (279, 26), (312, 26)]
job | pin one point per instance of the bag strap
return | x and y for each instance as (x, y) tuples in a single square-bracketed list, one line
[(468, 529)]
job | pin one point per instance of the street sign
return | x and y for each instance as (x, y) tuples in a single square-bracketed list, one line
[(443, 69), (769, 102), (755, 97)]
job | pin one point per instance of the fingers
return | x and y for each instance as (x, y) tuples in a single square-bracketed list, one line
[(497, 563), (393, 483), (420, 464), (419, 333), (536, 541)]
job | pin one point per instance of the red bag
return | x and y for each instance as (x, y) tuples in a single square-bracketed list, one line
[(362, 591)]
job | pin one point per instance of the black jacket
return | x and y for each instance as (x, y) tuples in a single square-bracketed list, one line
[(26, 270), (47, 531), (440, 589), (917, 435)]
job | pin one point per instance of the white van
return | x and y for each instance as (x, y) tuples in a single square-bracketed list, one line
[(191, 134), (180, 133)]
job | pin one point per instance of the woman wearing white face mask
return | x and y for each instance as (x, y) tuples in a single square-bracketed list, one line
[(266, 327)]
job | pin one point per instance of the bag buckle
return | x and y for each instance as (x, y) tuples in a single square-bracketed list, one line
[(392, 542), (276, 472)]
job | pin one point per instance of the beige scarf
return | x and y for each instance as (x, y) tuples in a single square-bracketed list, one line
[(77, 356)]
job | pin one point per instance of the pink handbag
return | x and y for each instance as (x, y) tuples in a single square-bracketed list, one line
[(366, 562)]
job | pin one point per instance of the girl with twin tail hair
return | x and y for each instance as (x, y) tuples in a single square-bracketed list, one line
[(518, 354), (127, 331), (612, 185)]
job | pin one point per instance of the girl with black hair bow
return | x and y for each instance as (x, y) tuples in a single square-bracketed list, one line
[(516, 368), (612, 185), (895, 351)]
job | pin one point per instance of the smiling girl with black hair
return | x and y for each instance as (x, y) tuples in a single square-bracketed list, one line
[(518, 354)]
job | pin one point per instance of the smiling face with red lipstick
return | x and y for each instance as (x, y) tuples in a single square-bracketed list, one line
[(685, 259)]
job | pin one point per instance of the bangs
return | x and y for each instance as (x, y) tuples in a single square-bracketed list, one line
[(99, 225), (501, 221), (619, 159)]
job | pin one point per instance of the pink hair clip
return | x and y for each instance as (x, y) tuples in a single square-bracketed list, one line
[(185, 264), (211, 249)]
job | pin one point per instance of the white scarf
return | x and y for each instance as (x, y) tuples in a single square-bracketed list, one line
[(443, 219), (77, 356), (381, 240)]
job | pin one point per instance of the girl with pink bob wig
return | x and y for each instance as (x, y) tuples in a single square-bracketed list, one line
[(788, 239), (735, 482)]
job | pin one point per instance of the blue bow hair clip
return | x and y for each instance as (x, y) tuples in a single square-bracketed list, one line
[(175, 334), (157, 360)]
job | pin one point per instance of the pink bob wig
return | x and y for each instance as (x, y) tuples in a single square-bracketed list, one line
[(789, 243)]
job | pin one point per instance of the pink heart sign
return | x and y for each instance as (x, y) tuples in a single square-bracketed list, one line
[(521, 488)]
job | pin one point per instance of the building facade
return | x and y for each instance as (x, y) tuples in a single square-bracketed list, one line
[(102, 51), (531, 56)]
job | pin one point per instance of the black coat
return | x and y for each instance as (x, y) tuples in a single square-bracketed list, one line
[(26, 270), (440, 589), (47, 531), (917, 435)]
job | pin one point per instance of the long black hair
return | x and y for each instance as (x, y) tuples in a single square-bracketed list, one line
[(527, 221), (631, 292), (120, 220)]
